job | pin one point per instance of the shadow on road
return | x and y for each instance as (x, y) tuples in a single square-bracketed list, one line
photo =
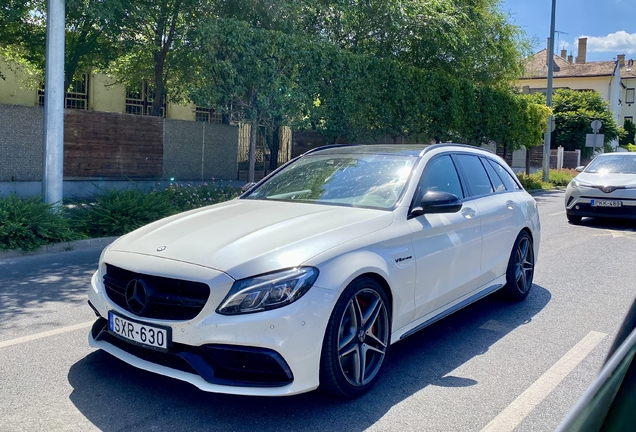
[(115, 396), (610, 224), (27, 283)]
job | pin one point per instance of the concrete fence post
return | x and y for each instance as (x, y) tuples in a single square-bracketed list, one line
[(560, 157)]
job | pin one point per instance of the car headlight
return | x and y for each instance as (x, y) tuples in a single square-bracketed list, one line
[(268, 291), (578, 183)]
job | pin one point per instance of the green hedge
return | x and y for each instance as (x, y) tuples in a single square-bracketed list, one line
[(27, 224)]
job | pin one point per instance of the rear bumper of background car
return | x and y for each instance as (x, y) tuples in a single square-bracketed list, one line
[(272, 353)]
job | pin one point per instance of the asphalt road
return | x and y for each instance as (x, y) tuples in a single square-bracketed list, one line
[(492, 365)]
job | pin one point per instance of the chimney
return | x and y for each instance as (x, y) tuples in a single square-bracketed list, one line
[(580, 58), (621, 59), (563, 54), (570, 59)]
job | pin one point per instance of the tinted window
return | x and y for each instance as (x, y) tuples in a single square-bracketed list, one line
[(440, 175), (478, 181), (496, 181), (504, 175)]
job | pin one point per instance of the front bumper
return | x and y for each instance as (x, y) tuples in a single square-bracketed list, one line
[(272, 353), (578, 202)]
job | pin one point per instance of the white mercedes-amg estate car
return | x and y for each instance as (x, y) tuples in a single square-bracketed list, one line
[(307, 279)]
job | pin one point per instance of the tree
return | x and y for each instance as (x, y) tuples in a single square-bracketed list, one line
[(574, 111), (155, 47), (249, 74), (630, 133), (91, 34)]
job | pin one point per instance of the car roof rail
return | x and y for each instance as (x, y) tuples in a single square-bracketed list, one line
[(328, 146), (450, 144)]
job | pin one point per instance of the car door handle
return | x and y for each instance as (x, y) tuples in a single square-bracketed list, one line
[(468, 213), (511, 204)]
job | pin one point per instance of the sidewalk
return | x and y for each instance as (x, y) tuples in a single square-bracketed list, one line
[(96, 243)]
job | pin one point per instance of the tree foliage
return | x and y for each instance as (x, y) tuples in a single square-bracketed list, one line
[(574, 111), (91, 34)]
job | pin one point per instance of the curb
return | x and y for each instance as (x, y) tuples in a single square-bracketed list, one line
[(96, 243)]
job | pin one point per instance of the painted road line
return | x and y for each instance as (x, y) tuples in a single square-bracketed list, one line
[(513, 415), (37, 336), (558, 213)]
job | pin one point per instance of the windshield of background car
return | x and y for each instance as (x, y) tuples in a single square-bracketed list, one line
[(613, 165), (355, 180)]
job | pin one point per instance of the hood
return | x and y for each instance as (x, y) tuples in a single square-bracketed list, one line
[(596, 179), (248, 237)]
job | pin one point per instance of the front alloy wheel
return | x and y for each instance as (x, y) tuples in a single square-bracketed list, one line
[(357, 340)]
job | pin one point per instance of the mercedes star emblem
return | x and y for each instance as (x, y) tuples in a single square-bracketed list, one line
[(136, 296)]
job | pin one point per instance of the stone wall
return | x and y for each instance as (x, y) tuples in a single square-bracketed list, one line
[(21, 143)]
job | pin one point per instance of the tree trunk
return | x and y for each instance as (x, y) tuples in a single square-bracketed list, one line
[(157, 102), (252, 152)]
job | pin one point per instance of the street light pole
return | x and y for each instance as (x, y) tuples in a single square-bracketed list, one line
[(550, 59), (52, 174)]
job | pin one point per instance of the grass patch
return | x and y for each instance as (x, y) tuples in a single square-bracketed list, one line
[(558, 178)]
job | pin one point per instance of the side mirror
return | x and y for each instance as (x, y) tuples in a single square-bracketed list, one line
[(247, 187), (437, 202), (579, 168)]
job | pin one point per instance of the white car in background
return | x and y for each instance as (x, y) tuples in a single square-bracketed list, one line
[(606, 188), (309, 277)]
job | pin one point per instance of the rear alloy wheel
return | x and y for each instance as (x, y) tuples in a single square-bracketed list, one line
[(573, 219), (520, 268), (357, 340)]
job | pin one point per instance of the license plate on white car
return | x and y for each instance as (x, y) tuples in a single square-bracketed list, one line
[(606, 203), (141, 333)]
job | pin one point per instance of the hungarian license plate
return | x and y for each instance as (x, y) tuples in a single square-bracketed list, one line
[(141, 333), (606, 203)]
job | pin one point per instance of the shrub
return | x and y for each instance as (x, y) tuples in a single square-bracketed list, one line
[(562, 177), (630, 147), (115, 212), (29, 223), (189, 197), (532, 181)]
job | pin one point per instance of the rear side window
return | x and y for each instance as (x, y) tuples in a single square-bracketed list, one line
[(478, 181), (496, 181), (504, 175), (440, 175)]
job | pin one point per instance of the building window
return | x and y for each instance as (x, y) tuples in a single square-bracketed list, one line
[(76, 95), (207, 115), (629, 96), (139, 99)]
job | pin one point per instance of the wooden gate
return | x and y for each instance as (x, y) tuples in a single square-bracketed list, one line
[(263, 153)]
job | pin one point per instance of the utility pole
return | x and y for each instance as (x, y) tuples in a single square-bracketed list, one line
[(550, 55), (53, 170)]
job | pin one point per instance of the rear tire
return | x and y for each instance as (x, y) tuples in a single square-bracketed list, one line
[(520, 270), (573, 219), (357, 340)]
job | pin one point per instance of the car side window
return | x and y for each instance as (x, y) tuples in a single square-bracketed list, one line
[(440, 175), (478, 181), (497, 182), (505, 176)]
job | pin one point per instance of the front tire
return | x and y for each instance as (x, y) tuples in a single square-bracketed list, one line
[(357, 340), (520, 271)]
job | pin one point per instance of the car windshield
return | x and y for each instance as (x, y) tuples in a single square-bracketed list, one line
[(364, 180), (613, 165)]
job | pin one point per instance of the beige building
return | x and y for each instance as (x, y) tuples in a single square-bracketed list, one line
[(95, 92), (614, 80)]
